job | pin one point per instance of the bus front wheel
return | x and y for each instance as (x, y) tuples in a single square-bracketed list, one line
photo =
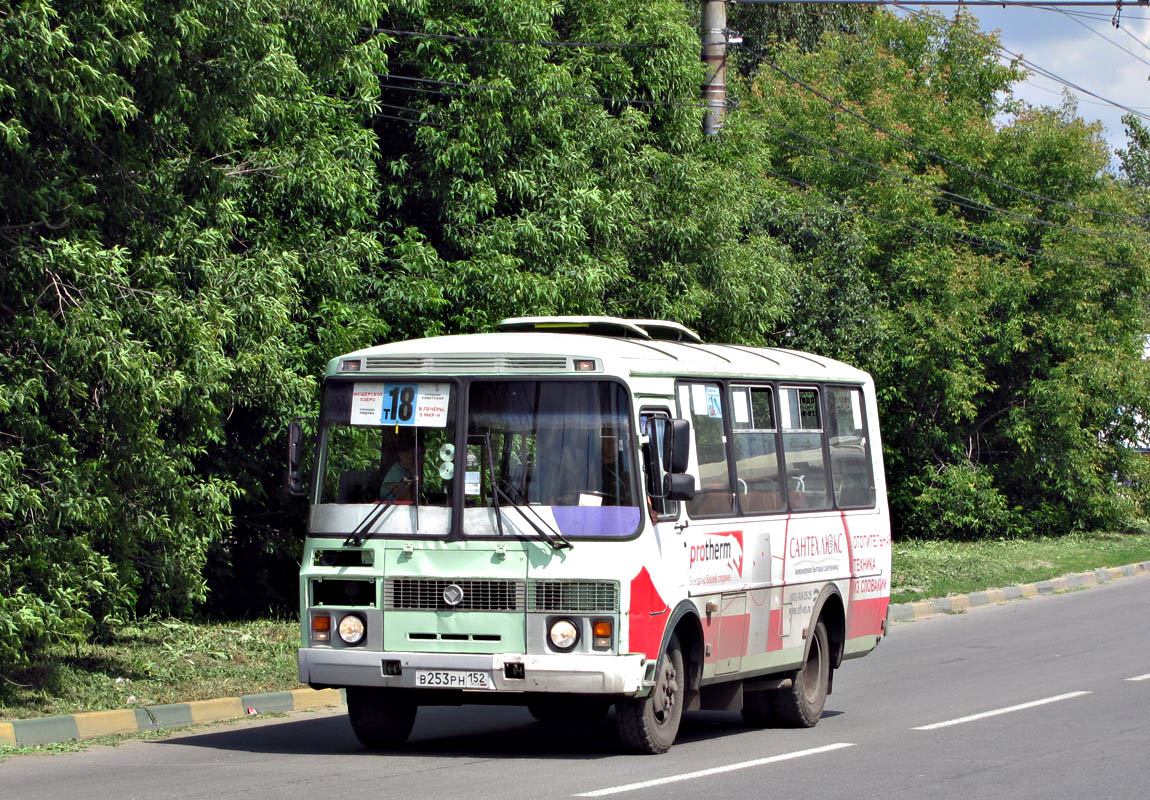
[(649, 724), (381, 718)]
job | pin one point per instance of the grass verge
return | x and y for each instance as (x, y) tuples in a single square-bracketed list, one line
[(153, 662), (169, 661), (936, 569)]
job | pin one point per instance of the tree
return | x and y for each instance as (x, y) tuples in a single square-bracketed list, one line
[(181, 199), (991, 276), (535, 178)]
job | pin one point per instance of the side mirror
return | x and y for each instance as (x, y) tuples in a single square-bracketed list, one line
[(295, 458), (679, 486), (680, 445)]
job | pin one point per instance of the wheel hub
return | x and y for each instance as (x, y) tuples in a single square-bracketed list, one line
[(665, 694)]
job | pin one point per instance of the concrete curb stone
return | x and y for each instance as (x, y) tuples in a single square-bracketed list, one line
[(89, 724), (920, 609)]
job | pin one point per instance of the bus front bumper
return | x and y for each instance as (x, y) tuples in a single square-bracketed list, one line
[(577, 674)]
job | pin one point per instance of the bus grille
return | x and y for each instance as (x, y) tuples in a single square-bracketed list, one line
[(573, 596), (427, 594), (469, 364)]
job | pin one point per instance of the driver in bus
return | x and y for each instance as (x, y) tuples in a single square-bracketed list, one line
[(398, 482)]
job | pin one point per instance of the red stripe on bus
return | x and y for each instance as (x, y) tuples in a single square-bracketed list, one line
[(775, 632), (866, 616), (647, 616)]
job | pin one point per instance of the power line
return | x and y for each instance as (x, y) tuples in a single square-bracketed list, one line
[(1106, 39), (1008, 55), (953, 198), (1079, 100), (1012, 56), (944, 232), (938, 157), (543, 93), (494, 40), (900, 3)]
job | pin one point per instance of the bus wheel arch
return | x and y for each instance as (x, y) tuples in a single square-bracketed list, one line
[(830, 611), (687, 628)]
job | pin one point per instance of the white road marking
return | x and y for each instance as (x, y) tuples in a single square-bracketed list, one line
[(997, 711), (1145, 677), (686, 776)]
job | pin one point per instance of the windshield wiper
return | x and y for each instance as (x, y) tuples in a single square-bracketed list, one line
[(540, 525), (363, 529)]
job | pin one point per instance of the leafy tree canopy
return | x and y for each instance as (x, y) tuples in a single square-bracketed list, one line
[(991, 275)]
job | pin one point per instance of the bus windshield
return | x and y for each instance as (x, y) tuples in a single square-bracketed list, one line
[(389, 458), (543, 459), (550, 453)]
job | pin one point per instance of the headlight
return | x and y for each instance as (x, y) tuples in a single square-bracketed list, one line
[(352, 629), (563, 634)]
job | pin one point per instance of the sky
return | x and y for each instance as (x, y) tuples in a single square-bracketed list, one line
[(1082, 46)]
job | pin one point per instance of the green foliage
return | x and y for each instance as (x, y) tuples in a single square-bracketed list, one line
[(1003, 326), (765, 28), (957, 502), (204, 201), (154, 661), (1136, 158), (562, 180), (179, 196)]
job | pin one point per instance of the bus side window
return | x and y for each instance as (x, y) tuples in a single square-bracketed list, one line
[(800, 419), (851, 471), (656, 425), (756, 459), (705, 404)]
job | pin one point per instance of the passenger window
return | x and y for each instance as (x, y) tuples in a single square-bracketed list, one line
[(756, 457), (801, 420), (851, 472), (704, 403)]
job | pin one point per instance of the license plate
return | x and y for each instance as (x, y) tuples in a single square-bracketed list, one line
[(452, 679)]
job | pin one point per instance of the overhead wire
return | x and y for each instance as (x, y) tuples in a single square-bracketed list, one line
[(443, 87), (944, 232), (1007, 55), (946, 195), (1107, 39), (547, 93), (456, 37), (938, 157)]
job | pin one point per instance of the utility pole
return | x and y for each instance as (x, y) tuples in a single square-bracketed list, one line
[(715, 58)]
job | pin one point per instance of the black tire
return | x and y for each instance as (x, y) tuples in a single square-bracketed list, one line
[(758, 709), (381, 718), (569, 709), (649, 724), (801, 705)]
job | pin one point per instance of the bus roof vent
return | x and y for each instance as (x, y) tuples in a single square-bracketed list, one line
[(469, 364), (602, 326)]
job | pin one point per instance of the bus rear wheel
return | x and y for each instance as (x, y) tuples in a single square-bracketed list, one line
[(381, 718), (649, 724), (801, 705)]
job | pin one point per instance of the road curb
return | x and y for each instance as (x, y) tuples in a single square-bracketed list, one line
[(90, 724), (920, 609)]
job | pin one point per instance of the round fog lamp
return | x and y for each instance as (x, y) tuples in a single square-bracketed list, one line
[(564, 634), (351, 629)]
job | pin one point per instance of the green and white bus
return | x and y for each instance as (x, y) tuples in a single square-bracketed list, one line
[(575, 513)]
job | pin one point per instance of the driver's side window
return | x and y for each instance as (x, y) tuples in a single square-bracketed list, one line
[(655, 425)]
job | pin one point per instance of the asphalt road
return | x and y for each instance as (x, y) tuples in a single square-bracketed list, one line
[(1044, 698)]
